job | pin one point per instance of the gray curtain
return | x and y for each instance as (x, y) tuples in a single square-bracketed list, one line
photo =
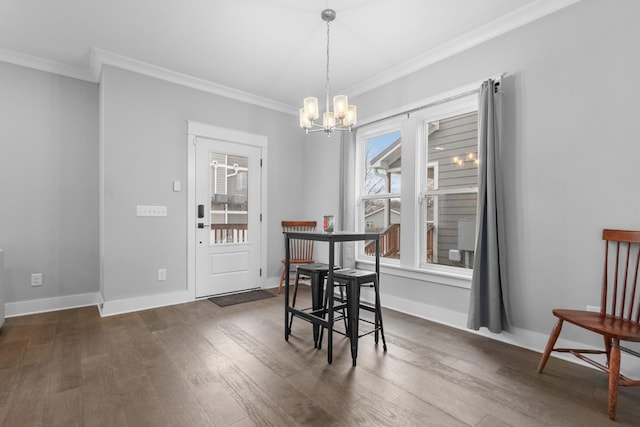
[(347, 217), (488, 301)]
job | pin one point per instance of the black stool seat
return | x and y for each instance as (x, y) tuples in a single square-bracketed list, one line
[(353, 273), (315, 267), (353, 279)]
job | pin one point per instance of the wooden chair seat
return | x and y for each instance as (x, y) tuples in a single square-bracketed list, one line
[(293, 261), (619, 316), (612, 326)]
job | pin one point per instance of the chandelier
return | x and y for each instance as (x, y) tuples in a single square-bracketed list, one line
[(343, 116)]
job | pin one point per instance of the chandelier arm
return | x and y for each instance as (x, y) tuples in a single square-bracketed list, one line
[(320, 128)]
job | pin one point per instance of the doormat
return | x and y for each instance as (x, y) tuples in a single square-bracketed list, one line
[(241, 297)]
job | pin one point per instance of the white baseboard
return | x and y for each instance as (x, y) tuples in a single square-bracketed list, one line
[(531, 340), (108, 308), (111, 308), (22, 308), (519, 337)]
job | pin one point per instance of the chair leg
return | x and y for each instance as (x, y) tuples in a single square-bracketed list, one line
[(281, 278), (293, 301), (325, 305), (345, 318), (614, 377), (378, 314), (353, 307), (376, 321), (607, 348), (549, 348)]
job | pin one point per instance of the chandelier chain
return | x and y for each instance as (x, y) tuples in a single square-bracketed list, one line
[(327, 84)]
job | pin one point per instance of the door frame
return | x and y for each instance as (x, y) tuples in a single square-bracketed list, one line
[(197, 130)]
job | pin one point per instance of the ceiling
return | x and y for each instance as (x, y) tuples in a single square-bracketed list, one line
[(271, 50)]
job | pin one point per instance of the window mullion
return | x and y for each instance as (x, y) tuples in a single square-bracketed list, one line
[(409, 245)]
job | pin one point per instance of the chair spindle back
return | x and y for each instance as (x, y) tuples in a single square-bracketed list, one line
[(620, 283), (300, 249)]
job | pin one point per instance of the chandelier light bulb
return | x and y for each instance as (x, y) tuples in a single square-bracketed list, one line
[(351, 118), (340, 106), (305, 122), (328, 121), (311, 108)]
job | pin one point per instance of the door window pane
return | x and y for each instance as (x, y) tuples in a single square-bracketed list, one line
[(229, 198)]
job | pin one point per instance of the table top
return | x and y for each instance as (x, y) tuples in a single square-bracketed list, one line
[(336, 236)]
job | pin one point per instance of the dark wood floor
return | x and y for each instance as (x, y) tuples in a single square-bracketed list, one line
[(200, 364)]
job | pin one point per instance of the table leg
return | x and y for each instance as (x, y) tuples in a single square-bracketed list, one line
[(330, 305)]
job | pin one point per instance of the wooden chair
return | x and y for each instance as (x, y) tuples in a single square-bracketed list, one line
[(301, 250), (619, 315)]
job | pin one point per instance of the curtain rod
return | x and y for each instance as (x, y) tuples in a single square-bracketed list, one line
[(432, 103)]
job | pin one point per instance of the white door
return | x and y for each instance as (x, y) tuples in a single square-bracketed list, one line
[(228, 217)]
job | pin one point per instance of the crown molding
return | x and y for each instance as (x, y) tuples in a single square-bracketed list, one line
[(42, 64), (100, 57), (488, 31)]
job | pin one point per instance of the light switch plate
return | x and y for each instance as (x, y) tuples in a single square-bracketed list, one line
[(147, 210)]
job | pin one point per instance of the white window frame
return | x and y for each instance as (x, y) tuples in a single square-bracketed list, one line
[(413, 191), (384, 128)]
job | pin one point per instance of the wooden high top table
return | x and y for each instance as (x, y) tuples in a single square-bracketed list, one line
[(317, 314)]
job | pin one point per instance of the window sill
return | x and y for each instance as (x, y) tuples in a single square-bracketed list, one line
[(441, 277)]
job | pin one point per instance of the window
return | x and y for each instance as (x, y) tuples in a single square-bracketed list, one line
[(381, 192), (425, 206)]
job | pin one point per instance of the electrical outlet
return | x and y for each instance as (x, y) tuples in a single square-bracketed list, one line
[(36, 279), (162, 274)]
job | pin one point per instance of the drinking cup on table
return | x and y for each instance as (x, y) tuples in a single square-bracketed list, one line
[(329, 223)]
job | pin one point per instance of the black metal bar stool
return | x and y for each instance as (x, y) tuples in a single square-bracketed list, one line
[(317, 272), (352, 279)]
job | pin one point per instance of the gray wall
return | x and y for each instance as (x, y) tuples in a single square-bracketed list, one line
[(145, 150), (569, 151), (49, 183), (569, 156)]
